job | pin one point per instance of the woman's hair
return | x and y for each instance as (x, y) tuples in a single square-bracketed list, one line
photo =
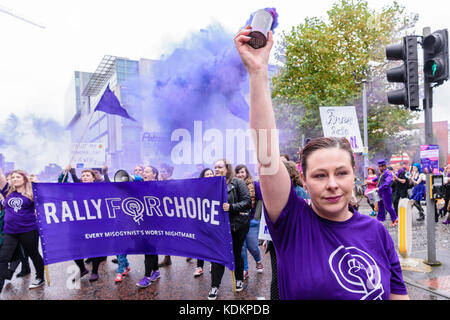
[(371, 169), (169, 168), (285, 155), (243, 166), (248, 181), (229, 166), (154, 171), (418, 166), (90, 171), (325, 143), (28, 190), (294, 174), (202, 174)]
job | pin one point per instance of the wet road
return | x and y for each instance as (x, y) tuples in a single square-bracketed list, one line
[(177, 281)]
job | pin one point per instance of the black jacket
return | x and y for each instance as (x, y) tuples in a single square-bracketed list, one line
[(240, 202)]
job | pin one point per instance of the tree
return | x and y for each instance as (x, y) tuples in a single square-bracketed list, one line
[(321, 59)]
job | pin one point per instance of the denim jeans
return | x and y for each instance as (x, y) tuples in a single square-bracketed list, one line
[(122, 263), (251, 243)]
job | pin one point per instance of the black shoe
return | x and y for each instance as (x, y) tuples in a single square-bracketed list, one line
[(23, 273), (421, 218)]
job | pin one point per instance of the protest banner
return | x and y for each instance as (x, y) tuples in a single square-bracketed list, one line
[(174, 217), (429, 158), (342, 122), (88, 155)]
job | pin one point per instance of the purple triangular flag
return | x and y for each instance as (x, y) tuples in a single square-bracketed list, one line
[(110, 104)]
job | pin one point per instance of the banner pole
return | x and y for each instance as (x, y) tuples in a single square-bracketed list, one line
[(233, 282), (47, 276)]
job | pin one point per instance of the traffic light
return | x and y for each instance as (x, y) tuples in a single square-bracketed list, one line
[(435, 57), (408, 73)]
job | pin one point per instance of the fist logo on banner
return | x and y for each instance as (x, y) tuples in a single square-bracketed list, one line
[(135, 208)]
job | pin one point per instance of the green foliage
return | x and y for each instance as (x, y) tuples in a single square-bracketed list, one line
[(322, 59)]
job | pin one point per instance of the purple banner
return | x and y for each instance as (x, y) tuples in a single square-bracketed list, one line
[(429, 158), (175, 217)]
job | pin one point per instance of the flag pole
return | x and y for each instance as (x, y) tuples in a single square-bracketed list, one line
[(233, 282), (47, 275)]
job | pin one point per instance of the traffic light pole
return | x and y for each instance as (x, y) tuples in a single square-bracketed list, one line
[(431, 224), (366, 138)]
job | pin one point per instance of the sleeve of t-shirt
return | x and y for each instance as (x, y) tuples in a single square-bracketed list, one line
[(285, 227), (397, 284)]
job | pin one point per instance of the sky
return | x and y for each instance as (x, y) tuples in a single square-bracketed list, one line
[(37, 64)]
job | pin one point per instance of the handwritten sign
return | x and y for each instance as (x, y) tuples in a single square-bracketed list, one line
[(342, 122), (88, 155)]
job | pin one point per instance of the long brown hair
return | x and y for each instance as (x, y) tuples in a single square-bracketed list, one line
[(229, 166), (248, 181), (294, 174), (325, 143), (28, 189)]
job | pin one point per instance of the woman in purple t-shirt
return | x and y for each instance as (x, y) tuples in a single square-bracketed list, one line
[(325, 250), (20, 225)]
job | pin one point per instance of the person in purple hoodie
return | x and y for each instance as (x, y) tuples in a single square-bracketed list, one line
[(20, 225), (325, 251), (385, 192)]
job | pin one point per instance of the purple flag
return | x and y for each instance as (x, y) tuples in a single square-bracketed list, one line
[(110, 104), (175, 217)]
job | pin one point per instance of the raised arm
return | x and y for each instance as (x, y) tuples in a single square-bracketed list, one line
[(274, 178), (2, 179)]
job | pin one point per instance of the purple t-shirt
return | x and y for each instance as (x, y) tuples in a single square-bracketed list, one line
[(19, 213), (319, 259)]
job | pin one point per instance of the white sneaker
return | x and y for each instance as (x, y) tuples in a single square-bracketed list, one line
[(259, 267), (239, 286), (198, 272), (213, 293), (37, 283)]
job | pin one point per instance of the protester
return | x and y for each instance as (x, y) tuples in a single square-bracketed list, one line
[(20, 225), (294, 175), (447, 194), (371, 183), (385, 192), (123, 267), (165, 173), (251, 240), (418, 181), (98, 177), (152, 272), (138, 171), (238, 208), (19, 252), (14, 262), (205, 173), (319, 247), (87, 176), (401, 185)]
